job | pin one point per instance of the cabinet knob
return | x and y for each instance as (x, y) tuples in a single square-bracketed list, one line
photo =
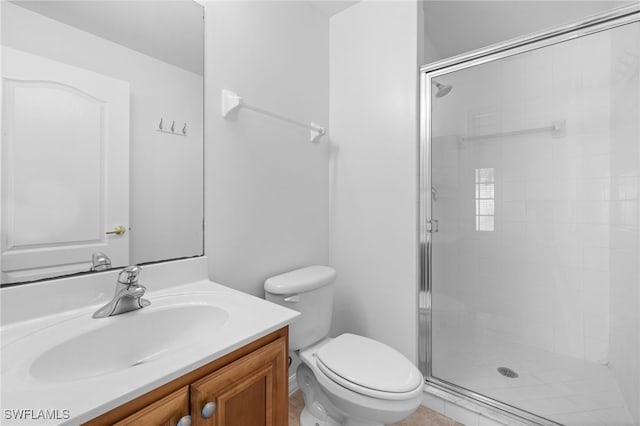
[(208, 409), (184, 421)]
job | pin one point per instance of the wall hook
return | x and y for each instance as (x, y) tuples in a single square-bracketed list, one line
[(172, 130)]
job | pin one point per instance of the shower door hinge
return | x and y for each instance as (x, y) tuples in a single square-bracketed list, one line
[(432, 226)]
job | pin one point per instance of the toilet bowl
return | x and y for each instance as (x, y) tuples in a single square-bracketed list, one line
[(391, 391), (349, 380)]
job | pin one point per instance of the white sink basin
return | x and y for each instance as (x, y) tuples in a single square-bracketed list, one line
[(128, 341)]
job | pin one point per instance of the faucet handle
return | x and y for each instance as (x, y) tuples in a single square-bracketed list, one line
[(129, 275), (100, 261)]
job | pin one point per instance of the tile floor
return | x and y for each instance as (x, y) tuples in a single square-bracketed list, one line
[(564, 389), (422, 417)]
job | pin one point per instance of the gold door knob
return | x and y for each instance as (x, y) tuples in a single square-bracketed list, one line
[(118, 230)]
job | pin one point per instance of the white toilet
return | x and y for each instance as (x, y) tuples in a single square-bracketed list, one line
[(350, 380)]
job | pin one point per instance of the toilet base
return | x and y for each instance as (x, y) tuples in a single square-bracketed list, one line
[(308, 419)]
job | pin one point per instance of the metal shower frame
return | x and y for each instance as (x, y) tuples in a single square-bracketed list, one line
[(593, 24)]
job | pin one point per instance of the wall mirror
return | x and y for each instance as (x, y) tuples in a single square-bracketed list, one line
[(102, 135)]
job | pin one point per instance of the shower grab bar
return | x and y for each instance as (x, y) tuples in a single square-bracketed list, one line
[(231, 101), (558, 129)]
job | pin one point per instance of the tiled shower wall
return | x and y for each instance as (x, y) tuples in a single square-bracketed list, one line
[(625, 215), (542, 276)]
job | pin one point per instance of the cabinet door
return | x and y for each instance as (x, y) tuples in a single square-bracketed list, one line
[(165, 412), (251, 391)]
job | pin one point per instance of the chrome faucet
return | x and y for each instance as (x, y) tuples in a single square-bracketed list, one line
[(100, 261), (128, 296)]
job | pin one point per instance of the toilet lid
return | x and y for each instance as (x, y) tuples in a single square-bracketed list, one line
[(369, 364)]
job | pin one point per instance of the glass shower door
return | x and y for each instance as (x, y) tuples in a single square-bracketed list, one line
[(535, 177)]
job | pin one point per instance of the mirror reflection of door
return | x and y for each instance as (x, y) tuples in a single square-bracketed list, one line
[(65, 181)]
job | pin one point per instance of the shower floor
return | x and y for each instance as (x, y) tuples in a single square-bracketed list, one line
[(563, 389)]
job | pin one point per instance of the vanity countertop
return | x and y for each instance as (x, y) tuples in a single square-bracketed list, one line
[(247, 318)]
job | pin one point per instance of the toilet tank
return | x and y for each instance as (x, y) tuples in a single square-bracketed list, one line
[(309, 291)]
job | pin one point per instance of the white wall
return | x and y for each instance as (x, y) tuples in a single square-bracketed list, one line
[(373, 107), (166, 173), (266, 184), (625, 214), (427, 52)]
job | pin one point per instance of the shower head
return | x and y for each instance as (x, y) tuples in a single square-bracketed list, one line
[(443, 89)]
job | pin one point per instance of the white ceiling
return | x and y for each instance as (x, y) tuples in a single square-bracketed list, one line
[(169, 30), (455, 27)]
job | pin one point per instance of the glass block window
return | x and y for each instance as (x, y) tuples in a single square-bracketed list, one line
[(485, 199)]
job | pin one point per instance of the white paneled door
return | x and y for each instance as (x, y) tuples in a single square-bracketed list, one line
[(65, 167)]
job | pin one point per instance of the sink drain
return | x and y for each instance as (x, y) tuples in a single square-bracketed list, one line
[(507, 372)]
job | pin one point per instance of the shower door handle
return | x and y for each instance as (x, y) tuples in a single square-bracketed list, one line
[(432, 226)]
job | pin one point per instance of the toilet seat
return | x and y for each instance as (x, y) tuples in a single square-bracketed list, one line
[(368, 367)]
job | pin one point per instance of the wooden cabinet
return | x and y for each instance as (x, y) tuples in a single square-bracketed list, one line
[(166, 412), (247, 387), (244, 392)]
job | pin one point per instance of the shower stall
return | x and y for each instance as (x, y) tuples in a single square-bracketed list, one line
[(530, 224)]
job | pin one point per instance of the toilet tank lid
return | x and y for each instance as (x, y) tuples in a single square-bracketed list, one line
[(300, 280)]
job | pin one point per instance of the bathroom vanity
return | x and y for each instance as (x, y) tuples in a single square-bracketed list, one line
[(199, 349), (245, 387)]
